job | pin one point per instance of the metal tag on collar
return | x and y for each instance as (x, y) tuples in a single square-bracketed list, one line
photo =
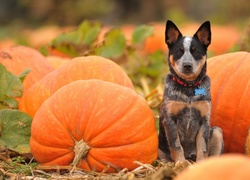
[(200, 91)]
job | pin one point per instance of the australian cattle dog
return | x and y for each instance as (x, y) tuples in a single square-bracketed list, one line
[(185, 132)]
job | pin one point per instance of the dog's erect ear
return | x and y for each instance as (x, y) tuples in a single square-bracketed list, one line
[(172, 33), (203, 34)]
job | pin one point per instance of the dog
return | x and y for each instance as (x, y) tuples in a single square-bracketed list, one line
[(184, 123)]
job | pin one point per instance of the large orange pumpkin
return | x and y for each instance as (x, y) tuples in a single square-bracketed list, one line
[(91, 67), (16, 59), (230, 89), (110, 123), (229, 167)]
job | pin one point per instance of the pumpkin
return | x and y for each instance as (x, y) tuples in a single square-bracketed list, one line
[(42, 36), (157, 41), (17, 59), (94, 124), (230, 79), (228, 166), (57, 61), (7, 42), (91, 67)]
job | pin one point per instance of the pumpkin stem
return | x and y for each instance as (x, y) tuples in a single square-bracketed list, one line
[(81, 149)]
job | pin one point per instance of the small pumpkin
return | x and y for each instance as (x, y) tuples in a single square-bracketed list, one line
[(230, 79), (17, 59), (110, 124), (157, 41), (91, 67), (228, 166), (42, 36)]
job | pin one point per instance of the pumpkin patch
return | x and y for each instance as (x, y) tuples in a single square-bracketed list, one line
[(230, 91), (91, 67), (82, 101), (113, 125)]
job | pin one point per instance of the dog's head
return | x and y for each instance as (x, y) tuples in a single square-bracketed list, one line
[(187, 55)]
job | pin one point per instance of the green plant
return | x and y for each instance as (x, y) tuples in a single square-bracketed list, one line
[(18, 165)]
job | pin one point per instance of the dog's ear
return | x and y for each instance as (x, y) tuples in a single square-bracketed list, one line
[(203, 34), (172, 33)]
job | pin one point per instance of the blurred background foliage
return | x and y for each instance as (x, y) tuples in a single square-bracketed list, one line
[(34, 13), (70, 28)]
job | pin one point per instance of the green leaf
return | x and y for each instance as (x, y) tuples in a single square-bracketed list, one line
[(113, 46), (15, 130), (155, 65), (66, 43), (11, 88), (23, 75), (141, 33), (78, 41), (89, 31)]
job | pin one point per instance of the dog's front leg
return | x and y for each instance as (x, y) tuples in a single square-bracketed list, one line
[(176, 150), (202, 142)]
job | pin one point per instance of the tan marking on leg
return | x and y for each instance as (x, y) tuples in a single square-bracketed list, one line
[(177, 155), (173, 107), (216, 142), (200, 146), (203, 106), (162, 156)]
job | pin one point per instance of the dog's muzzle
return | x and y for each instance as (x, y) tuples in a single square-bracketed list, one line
[(187, 68)]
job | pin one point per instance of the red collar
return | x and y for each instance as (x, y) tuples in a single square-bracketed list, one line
[(186, 84)]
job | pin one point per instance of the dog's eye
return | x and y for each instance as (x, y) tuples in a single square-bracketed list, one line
[(195, 52), (180, 52)]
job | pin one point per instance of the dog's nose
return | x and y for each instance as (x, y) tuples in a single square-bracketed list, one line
[(187, 67)]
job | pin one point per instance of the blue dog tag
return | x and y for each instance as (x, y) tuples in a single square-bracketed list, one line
[(199, 91)]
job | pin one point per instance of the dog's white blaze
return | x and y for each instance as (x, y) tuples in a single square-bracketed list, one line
[(187, 56), (187, 42)]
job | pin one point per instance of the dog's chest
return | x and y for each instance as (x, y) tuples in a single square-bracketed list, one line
[(188, 110), (188, 116)]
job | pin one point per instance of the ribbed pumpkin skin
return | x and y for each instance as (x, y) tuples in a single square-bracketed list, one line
[(91, 67), (229, 167), (19, 58), (115, 122), (230, 89)]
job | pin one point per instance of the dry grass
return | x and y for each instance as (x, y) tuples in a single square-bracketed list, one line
[(145, 171)]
